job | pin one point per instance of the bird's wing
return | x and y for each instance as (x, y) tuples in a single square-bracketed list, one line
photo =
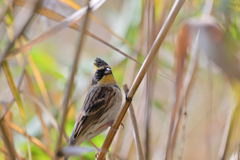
[(94, 107)]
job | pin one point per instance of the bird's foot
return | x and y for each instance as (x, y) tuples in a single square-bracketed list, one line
[(106, 125), (109, 124), (94, 146), (97, 154), (116, 129)]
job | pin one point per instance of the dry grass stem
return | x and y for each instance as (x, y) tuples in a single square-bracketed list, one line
[(4, 151), (150, 77), (224, 138), (207, 10), (19, 82), (208, 7), (46, 70), (75, 6), (149, 59), (71, 79), (111, 46), (58, 18), (39, 80), (43, 109), (23, 71), (3, 12), (119, 139), (230, 139), (188, 83), (34, 140), (8, 130), (45, 97), (183, 42), (7, 142), (39, 114), (19, 25), (17, 97), (63, 24), (209, 109), (135, 128)]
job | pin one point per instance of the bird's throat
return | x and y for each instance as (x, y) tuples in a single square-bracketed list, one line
[(107, 79)]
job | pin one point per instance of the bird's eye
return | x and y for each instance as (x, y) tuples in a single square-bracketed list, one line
[(97, 72)]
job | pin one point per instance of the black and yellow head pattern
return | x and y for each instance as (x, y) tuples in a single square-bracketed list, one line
[(103, 73)]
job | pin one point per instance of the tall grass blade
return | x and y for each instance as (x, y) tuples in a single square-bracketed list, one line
[(17, 97), (70, 81)]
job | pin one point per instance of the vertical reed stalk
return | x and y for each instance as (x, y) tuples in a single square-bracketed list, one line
[(70, 81), (149, 59)]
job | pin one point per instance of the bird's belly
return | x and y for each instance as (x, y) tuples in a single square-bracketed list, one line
[(111, 116)]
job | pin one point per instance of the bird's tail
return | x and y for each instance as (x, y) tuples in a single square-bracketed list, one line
[(65, 158)]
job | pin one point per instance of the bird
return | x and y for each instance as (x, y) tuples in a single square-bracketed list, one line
[(100, 107)]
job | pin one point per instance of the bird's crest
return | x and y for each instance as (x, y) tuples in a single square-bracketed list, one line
[(99, 63)]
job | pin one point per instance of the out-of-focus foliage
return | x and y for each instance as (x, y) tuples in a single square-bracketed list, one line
[(208, 105)]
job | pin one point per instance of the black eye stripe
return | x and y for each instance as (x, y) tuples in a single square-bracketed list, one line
[(99, 74), (100, 71)]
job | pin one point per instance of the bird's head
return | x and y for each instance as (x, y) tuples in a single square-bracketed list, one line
[(103, 73)]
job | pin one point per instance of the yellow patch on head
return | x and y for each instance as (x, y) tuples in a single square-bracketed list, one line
[(95, 68), (107, 79)]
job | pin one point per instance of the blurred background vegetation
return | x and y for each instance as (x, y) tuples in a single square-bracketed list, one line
[(42, 72)]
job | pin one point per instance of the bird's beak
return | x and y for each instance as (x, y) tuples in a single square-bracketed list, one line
[(107, 71)]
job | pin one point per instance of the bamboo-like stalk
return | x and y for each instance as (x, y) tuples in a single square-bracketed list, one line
[(71, 79), (149, 59), (135, 128)]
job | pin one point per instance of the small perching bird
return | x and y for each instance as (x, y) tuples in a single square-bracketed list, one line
[(100, 107)]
